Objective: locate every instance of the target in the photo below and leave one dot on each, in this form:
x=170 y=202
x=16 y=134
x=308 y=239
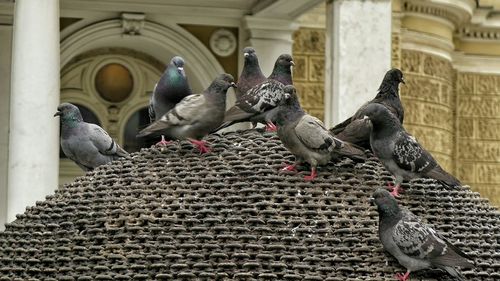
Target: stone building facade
x=449 y=55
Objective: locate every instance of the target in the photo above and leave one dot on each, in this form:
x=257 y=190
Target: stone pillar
x=34 y=133
x=358 y=53
x=5 y=57
x=270 y=38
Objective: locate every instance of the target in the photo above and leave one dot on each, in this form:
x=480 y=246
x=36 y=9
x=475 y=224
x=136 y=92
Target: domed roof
x=172 y=214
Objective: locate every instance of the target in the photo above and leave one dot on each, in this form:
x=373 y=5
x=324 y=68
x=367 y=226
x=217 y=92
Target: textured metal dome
x=172 y=214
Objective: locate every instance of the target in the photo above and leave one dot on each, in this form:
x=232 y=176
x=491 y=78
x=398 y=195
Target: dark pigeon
x=356 y=130
x=414 y=244
x=195 y=116
x=88 y=145
x=306 y=137
x=258 y=104
x=400 y=152
x=169 y=91
x=251 y=74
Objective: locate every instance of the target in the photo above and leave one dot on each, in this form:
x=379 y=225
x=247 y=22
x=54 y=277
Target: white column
x=270 y=38
x=358 y=53
x=5 y=57
x=34 y=132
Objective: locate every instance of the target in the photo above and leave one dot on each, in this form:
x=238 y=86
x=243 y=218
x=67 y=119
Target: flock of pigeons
x=178 y=114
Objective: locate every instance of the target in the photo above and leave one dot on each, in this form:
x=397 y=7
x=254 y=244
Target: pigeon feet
x=403 y=277
x=395 y=190
x=312 y=175
x=201 y=145
x=290 y=168
x=163 y=142
x=270 y=127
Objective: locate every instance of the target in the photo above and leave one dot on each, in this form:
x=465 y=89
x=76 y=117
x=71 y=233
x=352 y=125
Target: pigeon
x=400 y=152
x=169 y=91
x=258 y=104
x=87 y=144
x=306 y=137
x=414 y=244
x=251 y=74
x=196 y=115
x=355 y=129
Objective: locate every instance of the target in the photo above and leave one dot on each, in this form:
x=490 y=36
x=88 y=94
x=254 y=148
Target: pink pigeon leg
x=312 y=175
x=290 y=168
x=201 y=145
x=163 y=142
x=403 y=277
x=270 y=127
x=395 y=189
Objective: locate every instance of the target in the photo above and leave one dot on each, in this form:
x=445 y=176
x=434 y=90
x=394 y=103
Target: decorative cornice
x=478 y=33
x=457 y=12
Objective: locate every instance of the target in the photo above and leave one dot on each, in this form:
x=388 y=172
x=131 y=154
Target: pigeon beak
x=292 y=63
x=246 y=54
x=180 y=68
x=59 y=113
x=403 y=80
x=233 y=85
x=366 y=118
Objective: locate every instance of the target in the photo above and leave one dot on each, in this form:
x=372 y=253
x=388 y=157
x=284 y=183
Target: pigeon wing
x=420 y=241
x=411 y=156
x=262 y=97
x=186 y=112
x=103 y=142
x=313 y=134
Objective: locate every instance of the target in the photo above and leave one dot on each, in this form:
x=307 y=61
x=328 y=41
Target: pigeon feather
x=400 y=152
x=88 y=145
x=414 y=244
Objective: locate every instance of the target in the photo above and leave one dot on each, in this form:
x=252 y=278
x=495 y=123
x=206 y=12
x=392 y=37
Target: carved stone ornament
x=223 y=42
x=132 y=23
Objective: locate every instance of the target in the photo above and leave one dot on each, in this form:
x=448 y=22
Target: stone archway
x=159 y=41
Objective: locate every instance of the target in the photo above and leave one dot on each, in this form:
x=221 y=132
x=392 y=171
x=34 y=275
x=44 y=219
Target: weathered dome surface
x=172 y=214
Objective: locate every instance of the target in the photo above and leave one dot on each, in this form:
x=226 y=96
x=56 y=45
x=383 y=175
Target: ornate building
x=105 y=56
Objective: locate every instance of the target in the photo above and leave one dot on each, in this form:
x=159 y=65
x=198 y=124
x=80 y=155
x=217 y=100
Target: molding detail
x=478 y=33
x=132 y=23
x=223 y=42
x=456 y=11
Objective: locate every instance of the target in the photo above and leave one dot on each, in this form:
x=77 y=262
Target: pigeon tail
x=444 y=178
x=352 y=151
x=454 y=272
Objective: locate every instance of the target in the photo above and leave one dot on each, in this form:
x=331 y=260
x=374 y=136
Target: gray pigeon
x=356 y=130
x=306 y=137
x=169 y=91
x=251 y=74
x=400 y=152
x=415 y=245
x=88 y=145
x=196 y=115
x=258 y=104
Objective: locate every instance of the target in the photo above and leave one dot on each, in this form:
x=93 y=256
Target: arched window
x=138 y=121
x=88 y=116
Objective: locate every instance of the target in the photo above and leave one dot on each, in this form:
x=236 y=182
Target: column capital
x=269 y=28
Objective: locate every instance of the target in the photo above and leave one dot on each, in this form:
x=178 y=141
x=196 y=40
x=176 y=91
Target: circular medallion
x=223 y=42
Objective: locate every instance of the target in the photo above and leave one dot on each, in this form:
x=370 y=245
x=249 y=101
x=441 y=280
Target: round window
x=114 y=82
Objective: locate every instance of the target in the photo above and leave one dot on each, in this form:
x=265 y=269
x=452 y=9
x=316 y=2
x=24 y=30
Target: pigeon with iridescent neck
x=195 y=116
x=258 y=105
x=251 y=74
x=88 y=145
x=169 y=91
x=414 y=244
